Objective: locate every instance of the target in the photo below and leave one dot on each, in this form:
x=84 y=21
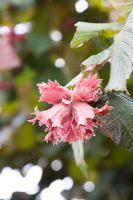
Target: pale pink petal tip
x=104 y=110
x=37 y=117
x=87 y=89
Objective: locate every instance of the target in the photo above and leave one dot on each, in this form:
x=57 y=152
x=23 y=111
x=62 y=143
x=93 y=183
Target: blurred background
x=35 y=40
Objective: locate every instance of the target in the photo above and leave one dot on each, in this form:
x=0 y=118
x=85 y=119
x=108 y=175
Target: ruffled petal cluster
x=53 y=92
x=71 y=118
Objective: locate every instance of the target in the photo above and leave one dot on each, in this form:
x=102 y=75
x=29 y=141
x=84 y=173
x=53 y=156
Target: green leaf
x=78 y=150
x=98 y=59
x=121 y=57
x=118 y=124
x=86 y=31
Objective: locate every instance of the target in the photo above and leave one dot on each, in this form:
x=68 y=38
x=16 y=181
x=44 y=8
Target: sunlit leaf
x=96 y=60
x=107 y=33
x=86 y=31
x=121 y=57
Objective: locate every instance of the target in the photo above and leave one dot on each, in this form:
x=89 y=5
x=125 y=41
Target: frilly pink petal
x=51 y=117
x=38 y=116
x=70 y=132
x=53 y=92
x=87 y=89
x=90 y=82
x=82 y=111
x=104 y=110
x=76 y=122
x=82 y=132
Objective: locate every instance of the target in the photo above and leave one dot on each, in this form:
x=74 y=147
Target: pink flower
x=8 y=56
x=71 y=118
